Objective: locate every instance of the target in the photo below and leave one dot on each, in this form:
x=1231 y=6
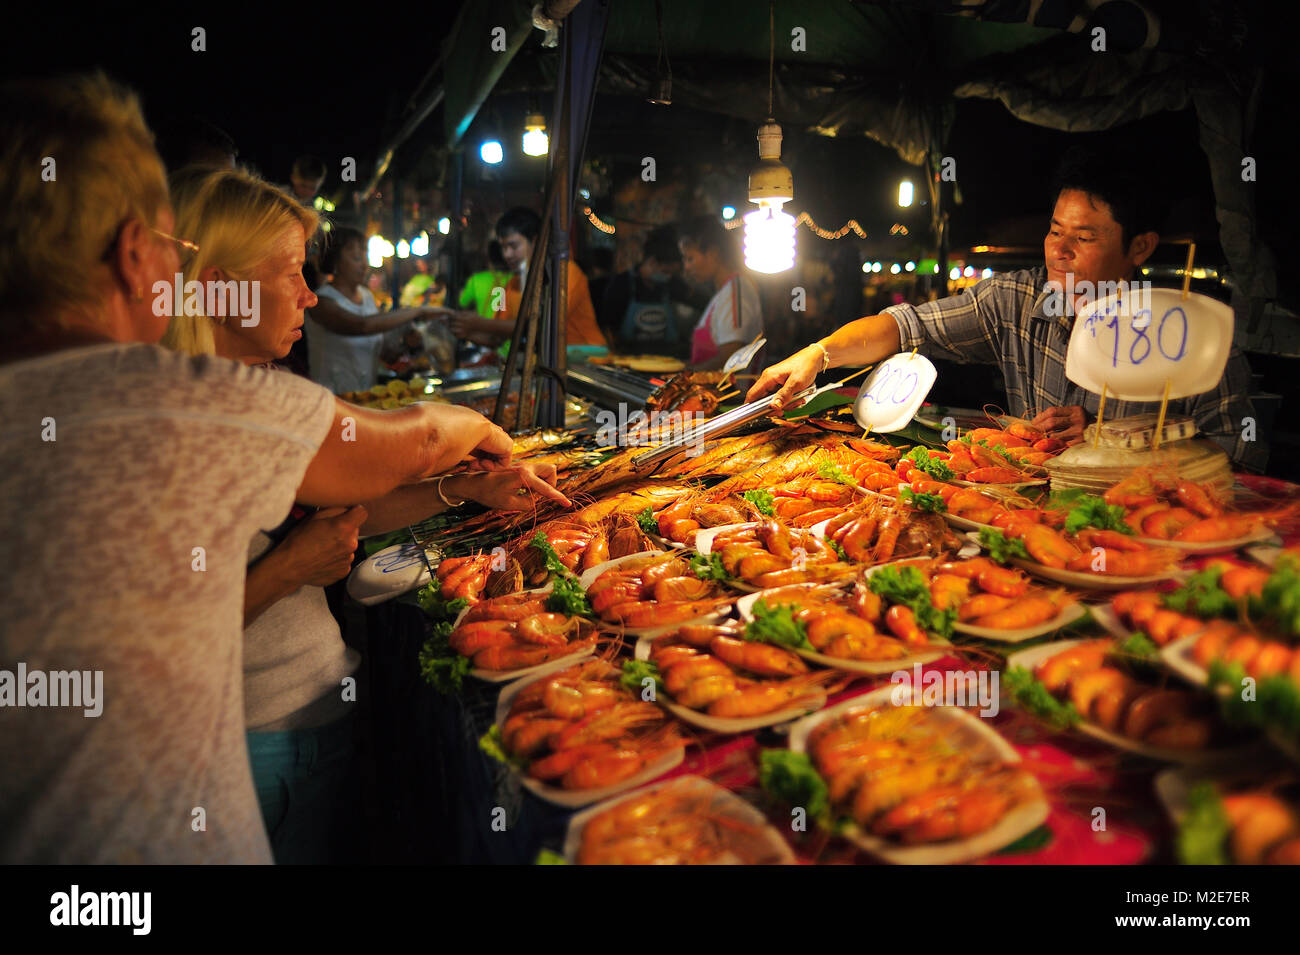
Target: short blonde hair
x=235 y=217
x=76 y=162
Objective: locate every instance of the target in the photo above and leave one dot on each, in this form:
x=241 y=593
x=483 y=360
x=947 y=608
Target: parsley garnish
x=762 y=500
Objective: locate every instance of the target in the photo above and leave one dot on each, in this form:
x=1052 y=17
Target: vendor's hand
x=516 y=489
x=1065 y=423
x=790 y=376
x=319 y=550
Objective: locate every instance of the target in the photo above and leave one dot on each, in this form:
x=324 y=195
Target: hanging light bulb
x=491 y=152
x=420 y=244
x=536 y=142
x=444 y=225
x=769 y=232
x=905 y=193
x=403 y=249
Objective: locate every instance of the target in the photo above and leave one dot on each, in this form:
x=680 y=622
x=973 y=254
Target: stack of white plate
x=1097 y=469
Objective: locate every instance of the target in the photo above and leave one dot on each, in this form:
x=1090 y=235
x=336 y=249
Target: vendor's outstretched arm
x=858 y=343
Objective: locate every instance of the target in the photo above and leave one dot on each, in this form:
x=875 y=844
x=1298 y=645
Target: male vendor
x=1103 y=228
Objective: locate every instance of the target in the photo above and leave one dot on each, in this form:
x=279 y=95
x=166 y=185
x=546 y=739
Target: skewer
x=845 y=381
x=1160 y=421
x=1187 y=284
x=1101 y=414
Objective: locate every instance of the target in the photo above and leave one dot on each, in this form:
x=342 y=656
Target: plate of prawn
x=1072 y=565
x=920 y=785
x=714 y=679
x=582 y=735
x=1126 y=711
x=515 y=635
x=759 y=555
x=652 y=593
x=842 y=635
x=998 y=603
x=684 y=821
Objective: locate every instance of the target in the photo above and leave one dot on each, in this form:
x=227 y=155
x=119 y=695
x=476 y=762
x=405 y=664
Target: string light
x=598 y=222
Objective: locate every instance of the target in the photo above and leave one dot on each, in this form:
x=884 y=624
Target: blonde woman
x=133 y=480
x=301 y=725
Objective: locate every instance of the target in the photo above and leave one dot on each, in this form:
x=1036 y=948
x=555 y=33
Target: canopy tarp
x=893 y=70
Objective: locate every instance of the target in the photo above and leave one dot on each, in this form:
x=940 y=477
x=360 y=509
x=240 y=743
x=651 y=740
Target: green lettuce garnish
x=791 y=778
x=647 y=520
x=635 y=673
x=924 y=502
x=1089 y=510
x=1203 y=833
x=908 y=586
x=1201 y=596
x=777 y=625
x=1031 y=696
x=762 y=500
x=708 y=567
x=1000 y=547
x=927 y=463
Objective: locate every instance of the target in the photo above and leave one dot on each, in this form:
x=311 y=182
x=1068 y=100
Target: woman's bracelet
x=441 y=496
x=826 y=355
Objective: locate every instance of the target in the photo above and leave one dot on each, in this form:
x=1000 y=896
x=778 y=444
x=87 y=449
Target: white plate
x=1013 y=485
x=389 y=573
x=1210 y=547
x=775 y=851
x=969 y=731
x=1177 y=656
x=573 y=798
x=589 y=577
x=1264 y=554
x=812 y=702
x=1034 y=655
x=505 y=676
x=705 y=535
x=964 y=524
x=1089 y=581
x=745 y=607
x=1069 y=614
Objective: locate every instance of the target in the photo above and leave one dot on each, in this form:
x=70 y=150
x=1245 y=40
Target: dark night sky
x=283 y=84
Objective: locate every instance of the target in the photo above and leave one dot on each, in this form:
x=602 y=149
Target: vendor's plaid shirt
x=1002 y=321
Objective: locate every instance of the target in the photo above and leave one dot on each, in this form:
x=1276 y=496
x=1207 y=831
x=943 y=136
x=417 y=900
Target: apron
x=648 y=322
x=703 y=347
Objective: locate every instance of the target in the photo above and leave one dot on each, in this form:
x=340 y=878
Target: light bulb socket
x=535 y=121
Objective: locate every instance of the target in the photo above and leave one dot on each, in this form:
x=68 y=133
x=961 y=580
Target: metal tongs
x=725 y=424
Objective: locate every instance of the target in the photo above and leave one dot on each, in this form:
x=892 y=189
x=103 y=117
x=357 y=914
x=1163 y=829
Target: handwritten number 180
x=1144 y=339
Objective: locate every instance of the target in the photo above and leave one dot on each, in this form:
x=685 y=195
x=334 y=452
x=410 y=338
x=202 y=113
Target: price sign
x=388 y=573
x=1135 y=340
x=893 y=393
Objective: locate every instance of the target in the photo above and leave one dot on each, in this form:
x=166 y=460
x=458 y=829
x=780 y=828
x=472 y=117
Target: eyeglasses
x=191 y=247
